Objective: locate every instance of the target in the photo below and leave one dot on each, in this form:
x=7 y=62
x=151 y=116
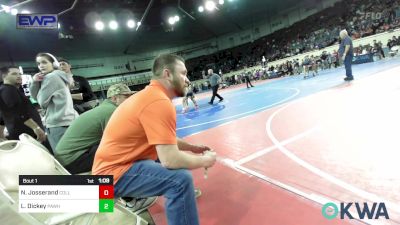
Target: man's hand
x=343 y=57
x=210 y=158
x=40 y=134
x=202 y=148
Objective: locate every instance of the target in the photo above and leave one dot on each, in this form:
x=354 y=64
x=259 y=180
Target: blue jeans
x=148 y=178
x=347 y=65
x=54 y=134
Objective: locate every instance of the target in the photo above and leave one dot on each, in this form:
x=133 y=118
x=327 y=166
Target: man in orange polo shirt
x=143 y=129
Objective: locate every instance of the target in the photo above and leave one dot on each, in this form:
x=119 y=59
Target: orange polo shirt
x=144 y=120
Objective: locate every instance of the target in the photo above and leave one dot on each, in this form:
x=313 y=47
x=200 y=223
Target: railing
x=130 y=80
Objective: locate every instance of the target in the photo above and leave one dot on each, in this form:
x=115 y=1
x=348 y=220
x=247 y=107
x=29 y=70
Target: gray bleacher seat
x=28 y=156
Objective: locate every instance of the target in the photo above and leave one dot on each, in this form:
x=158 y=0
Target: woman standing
x=50 y=88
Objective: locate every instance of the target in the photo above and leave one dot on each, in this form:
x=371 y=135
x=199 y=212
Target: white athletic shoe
x=138 y=205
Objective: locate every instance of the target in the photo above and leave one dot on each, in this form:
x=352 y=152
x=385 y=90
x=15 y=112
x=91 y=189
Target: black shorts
x=84 y=162
x=189 y=94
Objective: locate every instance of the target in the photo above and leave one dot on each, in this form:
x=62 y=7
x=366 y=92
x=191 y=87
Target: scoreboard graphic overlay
x=66 y=193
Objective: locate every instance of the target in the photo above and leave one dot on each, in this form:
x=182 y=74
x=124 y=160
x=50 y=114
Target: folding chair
x=30 y=157
x=394 y=50
x=30 y=140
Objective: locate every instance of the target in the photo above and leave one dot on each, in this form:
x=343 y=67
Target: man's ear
x=3 y=76
x=166 y=74
x=114 y=98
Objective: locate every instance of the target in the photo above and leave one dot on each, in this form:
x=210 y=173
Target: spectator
x=215 y=80
x=50 y=88
x=189 y=95
x=142 y=129
x=18 y=114
x=346 y=53
x=247 y=77
x=83 y=97
x=76 y=149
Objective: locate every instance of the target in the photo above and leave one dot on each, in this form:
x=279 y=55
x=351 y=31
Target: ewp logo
x=331 y=210
x=37 y=21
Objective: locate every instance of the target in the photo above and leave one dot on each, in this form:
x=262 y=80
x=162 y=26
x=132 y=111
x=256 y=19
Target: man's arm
x=86 y=93
x=160 y=128
x=346 y=50
x=346 y=43
x=172 y=158
x=185 y=146
x=12 y=101
x=41 y=136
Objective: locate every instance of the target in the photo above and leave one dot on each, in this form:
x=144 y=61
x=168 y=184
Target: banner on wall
x=366 y=58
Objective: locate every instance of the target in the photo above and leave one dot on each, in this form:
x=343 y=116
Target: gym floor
x=288 y=146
